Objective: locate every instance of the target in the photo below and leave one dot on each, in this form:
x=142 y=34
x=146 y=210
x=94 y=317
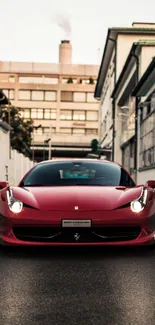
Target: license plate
x=76 y=223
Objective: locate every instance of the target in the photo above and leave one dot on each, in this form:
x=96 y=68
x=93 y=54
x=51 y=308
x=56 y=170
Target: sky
x=31 y=30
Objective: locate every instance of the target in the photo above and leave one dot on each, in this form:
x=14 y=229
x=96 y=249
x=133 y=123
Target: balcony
x=66 y=139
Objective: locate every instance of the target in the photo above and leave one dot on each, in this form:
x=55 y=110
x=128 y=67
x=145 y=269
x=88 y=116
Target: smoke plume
x=63 y=21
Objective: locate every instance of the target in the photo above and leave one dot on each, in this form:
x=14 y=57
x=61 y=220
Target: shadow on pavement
x=76 y=252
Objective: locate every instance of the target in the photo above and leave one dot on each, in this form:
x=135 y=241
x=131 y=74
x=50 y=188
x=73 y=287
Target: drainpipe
x=113 y=130
x=114 y=103
x=136 y=116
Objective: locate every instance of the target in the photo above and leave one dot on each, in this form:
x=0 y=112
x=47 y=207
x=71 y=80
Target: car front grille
x=70 y=235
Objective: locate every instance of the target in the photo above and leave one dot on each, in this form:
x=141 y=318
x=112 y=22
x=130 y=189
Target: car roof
x=77 y=160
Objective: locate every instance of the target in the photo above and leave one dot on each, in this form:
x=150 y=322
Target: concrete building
x=145 y=91
x=118 y=45
x=126 y=105
x=59 y=98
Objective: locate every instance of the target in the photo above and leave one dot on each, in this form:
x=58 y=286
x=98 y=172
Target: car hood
x=85 y=197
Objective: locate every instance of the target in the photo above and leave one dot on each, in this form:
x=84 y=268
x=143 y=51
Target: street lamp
x=50 y=143
x=34 y=128
x=46 y=141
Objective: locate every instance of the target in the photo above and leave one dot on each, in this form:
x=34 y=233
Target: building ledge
x=146 y=168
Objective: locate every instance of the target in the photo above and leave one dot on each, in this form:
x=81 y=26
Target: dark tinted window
x=77 y=173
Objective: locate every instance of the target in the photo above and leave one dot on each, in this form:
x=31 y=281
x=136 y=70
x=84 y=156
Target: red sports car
x=77 y=202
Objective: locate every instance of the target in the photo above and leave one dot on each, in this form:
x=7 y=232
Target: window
x=78 y=131
x=38 y=80
x=73 y=173
x=65 y=130
x=64 y=81
x=147 y=144
x=36 y=113
x=91 y=131
x=66 y=96
x=6 y=173
x=37 y=95
x=80 y=97
x=6 y=92
x=50 y=114
x=51 y=81
x=33 y=113
x=66 y=115
x=90 y=98
x=26 y=113
x=24 y=95
x=40 y=113
x=12 y=79
x=79 y=115
x=31 y=80
x=153 y=102
x=9 y=93
x=92 y=116
x=50 y=96
x=85 y=81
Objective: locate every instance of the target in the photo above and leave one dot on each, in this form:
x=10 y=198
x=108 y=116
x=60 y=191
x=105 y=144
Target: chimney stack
x=65 y=52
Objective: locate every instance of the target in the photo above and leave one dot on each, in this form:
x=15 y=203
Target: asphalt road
x=77 y=286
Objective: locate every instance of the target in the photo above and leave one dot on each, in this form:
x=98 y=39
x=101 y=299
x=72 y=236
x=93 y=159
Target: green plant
x=21 y=133
x=94 y=145
x=91 y=81
x=70 y=81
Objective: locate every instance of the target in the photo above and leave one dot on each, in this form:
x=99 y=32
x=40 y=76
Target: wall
x=106 y=105
x=18 y=167
x=145 y=56
x=4 y=154
x=146 y=175
x=148 y=52
x=124 y=46
x=14 y=168
x=49 y=68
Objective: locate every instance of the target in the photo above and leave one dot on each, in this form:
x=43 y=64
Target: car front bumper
x=107 y=229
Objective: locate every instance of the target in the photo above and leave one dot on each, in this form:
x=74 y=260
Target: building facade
x=60 y=100
x=117 y=48
x=127 y=129
x=145 y=91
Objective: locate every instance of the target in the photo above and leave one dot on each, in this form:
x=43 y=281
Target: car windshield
x=77 y=173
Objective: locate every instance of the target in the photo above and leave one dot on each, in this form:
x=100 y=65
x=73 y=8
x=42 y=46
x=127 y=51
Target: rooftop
x=49 y=68
x=137 y=29
x=146 y=81
x=129 y=61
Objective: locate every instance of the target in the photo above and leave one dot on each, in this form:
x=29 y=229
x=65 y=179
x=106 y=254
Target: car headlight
x=136 y=206
x=139 y=204
x=14 y=205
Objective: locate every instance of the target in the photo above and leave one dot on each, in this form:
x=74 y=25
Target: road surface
x=77 y=286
